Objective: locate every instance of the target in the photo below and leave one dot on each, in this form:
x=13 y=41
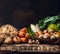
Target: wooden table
x=30 y=48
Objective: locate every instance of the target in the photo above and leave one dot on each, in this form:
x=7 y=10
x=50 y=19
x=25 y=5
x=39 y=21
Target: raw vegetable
x=27 y=35
x=23 y=39
x=31 y=33
x=43 y=24
x=34 y=28
x=54 y=27
x=16 y=39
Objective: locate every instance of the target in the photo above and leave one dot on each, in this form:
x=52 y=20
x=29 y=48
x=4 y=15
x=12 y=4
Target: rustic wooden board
x=30 y=48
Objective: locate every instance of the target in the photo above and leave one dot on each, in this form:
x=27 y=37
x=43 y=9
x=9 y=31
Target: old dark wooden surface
x=30 y=48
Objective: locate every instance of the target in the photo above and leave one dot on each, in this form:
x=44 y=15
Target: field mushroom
x=56 y=34
x=45 y=31
x=46 y=35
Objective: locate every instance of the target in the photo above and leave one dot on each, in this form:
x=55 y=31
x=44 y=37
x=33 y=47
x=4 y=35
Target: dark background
x=21 y=13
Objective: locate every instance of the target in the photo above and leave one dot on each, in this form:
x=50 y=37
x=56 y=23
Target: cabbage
x=54 y=27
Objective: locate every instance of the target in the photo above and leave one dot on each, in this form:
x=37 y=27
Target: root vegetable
x=27 y=35
x=50 y=30
x=23 y=30
x=40 y=32
x=8 y=40
x=21 y=34
x=16 y=39
x=23 y=39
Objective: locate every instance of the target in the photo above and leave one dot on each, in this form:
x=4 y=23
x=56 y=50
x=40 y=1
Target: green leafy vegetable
x=30 y=32
x=50 y=21
x=53 y=27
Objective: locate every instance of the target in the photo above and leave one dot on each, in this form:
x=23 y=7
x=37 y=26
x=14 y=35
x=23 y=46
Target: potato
x=47 y=35
x=16 y=39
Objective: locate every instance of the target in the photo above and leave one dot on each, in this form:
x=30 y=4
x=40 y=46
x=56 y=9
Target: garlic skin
x=8 y=40
x=29 y=41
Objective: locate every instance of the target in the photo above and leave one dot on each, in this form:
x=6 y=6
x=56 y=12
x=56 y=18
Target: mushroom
x=52 y=37
x=45 y=31
x=40 y=32
x=56 y=34
x=51 y=31
x=40 y=36
x=37 y=41
x=33 y=41
x=29 y=41
x=46 y=35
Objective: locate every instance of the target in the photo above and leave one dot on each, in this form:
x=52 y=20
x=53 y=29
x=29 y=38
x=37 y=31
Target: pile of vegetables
x=50 y=23
x=46 y=29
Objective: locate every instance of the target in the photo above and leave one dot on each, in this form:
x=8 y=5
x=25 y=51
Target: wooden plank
x=30 y=48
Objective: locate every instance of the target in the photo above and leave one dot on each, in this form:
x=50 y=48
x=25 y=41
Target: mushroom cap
x=47 y=34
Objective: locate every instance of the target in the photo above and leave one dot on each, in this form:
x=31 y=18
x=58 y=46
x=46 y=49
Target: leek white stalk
x=34 y=28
